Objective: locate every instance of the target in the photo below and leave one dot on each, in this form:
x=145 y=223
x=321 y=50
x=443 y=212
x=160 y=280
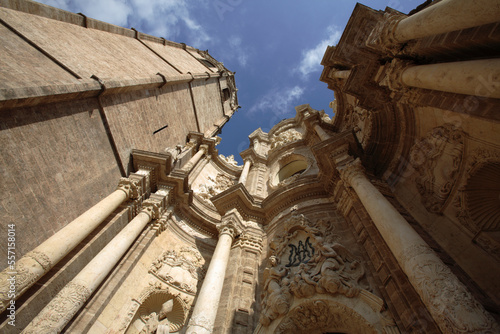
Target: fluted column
x=39 y=261
x=61 y=309
x=321 y=133
x=194 y=160
x=446 y=16
x=474 y=77
x=244 y=173
x=449 y=302
x=205 y=310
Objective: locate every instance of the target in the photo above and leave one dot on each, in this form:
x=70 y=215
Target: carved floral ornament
x=306 y=261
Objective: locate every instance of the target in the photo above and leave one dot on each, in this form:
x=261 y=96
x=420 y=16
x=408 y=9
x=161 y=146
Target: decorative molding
x=247 y=240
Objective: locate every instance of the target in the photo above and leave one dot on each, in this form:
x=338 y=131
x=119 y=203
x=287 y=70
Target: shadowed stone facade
x=383 y=219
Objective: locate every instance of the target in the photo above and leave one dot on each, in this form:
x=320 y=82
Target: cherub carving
x=275 y=299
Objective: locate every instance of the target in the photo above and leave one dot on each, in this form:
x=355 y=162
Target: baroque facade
x=384 y=219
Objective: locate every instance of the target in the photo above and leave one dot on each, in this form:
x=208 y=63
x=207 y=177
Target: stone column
x=194 y=160
x=61 y=309
x=39 y=261
x=244 y=173
x=446 y=16
x=204 y=313
x=474 y=77
x=321 y=133
x=449 y=302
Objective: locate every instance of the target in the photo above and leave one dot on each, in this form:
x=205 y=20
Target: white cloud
x=279 y=101
x=237 y=50
x=311 y=58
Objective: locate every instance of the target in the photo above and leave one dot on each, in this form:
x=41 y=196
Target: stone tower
x=383 y=219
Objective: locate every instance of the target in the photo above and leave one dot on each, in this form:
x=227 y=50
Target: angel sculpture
x=275 y=296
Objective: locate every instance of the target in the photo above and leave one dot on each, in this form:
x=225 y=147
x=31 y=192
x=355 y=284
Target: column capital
x=130 y=187
x=203 y=148
x=229 y=227
x=351 y=170
x=382 y=38
x=248 y=159
x=393 y=75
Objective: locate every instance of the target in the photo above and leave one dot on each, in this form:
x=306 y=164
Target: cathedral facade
x=382 y=219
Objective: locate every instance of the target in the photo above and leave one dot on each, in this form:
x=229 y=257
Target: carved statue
x=303 y=285
x=214 y=186
x=336 y=271
x=229 y=159
x=275 y=294
x=158 y=323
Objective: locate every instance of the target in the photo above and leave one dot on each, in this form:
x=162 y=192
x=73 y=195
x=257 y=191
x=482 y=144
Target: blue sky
x=274 y=46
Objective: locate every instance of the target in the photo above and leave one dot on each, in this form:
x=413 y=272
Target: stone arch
x=337 y=314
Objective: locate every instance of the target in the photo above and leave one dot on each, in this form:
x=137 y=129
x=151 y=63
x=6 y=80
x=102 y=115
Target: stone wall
x=65 y=137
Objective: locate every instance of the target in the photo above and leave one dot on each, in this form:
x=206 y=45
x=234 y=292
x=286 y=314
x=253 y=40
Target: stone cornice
x=250 y=153
x=260 y=135
x=238 y=197
x=224 y=166
x=160 y=164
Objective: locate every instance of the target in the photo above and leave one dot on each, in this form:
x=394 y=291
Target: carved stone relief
x=360 y=120
x=477 y=205
x=285 y=137
x=437 y=159
x=156 y=310
x=307 y=260
x=214 y=186
x=322 y=315
x=180 y=269
x=229 y=160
